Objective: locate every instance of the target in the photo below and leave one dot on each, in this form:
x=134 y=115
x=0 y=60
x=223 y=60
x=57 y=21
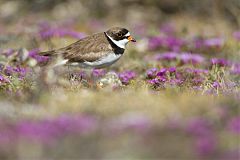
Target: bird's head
x=119 y=36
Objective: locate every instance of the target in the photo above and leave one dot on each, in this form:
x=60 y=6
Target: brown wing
x=87 y=49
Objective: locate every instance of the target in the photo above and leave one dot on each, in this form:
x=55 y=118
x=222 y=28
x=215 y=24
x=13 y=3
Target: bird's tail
x=48 y=56
x=48 y=53
x=54 y=58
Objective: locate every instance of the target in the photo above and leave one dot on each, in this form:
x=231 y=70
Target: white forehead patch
x=128 y=34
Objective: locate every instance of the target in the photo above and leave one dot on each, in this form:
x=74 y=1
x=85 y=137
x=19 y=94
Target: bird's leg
x=71 y=75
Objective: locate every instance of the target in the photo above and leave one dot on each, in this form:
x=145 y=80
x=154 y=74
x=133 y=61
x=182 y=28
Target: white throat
x=121 y=43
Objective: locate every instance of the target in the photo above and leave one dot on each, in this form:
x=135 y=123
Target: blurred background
x=121 y=12
x=21 y=20
x=124 y=12
x=174 y=94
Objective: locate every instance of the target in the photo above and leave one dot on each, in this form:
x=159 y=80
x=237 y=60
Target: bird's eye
x=119 y=34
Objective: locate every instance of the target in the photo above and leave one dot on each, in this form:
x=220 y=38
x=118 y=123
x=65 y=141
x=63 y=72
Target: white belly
x=103 y=62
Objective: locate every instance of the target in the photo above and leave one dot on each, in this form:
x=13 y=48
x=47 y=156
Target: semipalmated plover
x=95 y=51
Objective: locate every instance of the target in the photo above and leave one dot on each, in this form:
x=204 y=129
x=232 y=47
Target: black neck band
x=116 y=49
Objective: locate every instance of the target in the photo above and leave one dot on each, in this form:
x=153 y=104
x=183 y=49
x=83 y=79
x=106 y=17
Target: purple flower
x=155 y=42
x=21 y=71
x=162 y=72
x=173 y=43
x=234 y=125
x=82 y=74
x=155 y=81
x=216 y=84
x=236 y=35
x=183 y=57
x=191 y=58
x=166 y=56
x=175 y=81
x=39 y=58
x=219 y=62
x=4 y=79
x=127 y=76
x=170 y=42
x=98 y=72
x=9 y=70
x=214 y=42
x=1 y=78
x=151 y=73
x=172 y=69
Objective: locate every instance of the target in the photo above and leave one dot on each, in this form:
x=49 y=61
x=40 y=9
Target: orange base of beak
x=130 y=38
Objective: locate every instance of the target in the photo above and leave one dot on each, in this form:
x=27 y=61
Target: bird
x=96 y=51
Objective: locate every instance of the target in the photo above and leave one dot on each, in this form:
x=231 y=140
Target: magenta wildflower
x=170 y=42
x=185 y=58
x=1 y=78
x=9 y=70
x=166 y=56
x=191 y=58
x=174 y=43
x=151 y=73
x=162 y=72
x=127 y=76
x=172 y=69
x=155 y=81
x=214 y=42
x=39 y=58
x=82 y=74
x=220 y=62
x=216 y=84
x=155 y=42
x=21 y=71
x=98 y=72
x=175 y=81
